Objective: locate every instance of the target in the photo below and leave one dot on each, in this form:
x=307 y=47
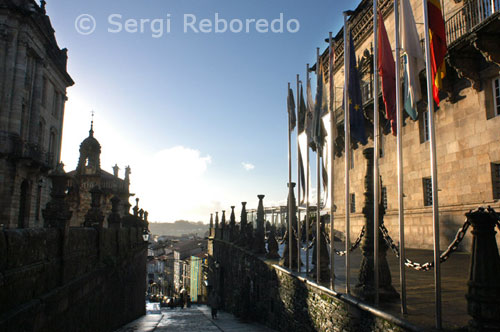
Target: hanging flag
x=355 y=106
x=437 y=43
x=325 y=158
x=413 y=59
x=318 y=130
x=291 y=110
x=302 y=110
x=387 y=71
x=331 y=78
x=309 y=111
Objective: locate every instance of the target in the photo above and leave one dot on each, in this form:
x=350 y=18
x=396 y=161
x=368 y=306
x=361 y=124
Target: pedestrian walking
x=214 y=303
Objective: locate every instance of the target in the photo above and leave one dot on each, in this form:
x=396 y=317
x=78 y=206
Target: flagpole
x=347 y=156
x=435 y=206
x=399 y=118
x=318 y=182
x=299 y=166
x=332 y=142
x=289 y=188
x=307 y=182
x=376 y=138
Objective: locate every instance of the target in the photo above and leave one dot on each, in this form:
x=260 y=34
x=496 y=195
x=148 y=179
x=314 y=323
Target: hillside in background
x=178 y=228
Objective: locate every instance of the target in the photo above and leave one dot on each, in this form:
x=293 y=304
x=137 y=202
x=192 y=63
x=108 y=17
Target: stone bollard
x=366 y=279
x=222 y=225
x=243 y=225
x=232 y=225
x=259 y=243
x=285 y=261
x=114 y=219
x=483 y=296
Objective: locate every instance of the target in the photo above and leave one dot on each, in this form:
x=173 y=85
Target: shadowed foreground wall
x=87 y=280
x=255 y=289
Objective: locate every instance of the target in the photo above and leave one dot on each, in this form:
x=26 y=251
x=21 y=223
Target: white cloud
x=173 y=184
x=248 y=166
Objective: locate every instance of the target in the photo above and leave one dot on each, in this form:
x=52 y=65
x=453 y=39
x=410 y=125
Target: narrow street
x=194 y=319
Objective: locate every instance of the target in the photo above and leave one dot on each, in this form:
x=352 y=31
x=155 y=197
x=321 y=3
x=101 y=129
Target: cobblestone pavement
x=194 y=319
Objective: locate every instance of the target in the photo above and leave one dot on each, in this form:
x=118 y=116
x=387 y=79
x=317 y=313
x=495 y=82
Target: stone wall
x=87 y=280
x=254 y=289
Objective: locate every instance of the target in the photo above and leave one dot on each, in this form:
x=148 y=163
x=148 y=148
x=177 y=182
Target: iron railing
x=468 y=17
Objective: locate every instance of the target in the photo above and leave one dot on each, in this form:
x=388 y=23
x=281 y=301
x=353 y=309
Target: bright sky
x=200 y=117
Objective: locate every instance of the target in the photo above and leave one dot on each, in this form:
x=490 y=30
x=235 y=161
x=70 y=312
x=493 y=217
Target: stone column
x=259 y=243
x=366 y=280
x=483 y=296
x=35 y=103
x=19 y=74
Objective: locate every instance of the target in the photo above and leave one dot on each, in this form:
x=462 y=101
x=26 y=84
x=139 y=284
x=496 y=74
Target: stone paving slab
x=194 y=319
x=147 y=323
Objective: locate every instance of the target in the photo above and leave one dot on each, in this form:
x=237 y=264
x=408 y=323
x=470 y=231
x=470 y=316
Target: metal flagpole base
x=365 y=288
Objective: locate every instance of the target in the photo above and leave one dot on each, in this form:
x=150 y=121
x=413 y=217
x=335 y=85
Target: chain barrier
x=444 y=256
x=354 y=246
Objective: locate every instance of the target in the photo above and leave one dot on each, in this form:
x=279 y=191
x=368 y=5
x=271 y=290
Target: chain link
x=444 y=256
x=354 y=246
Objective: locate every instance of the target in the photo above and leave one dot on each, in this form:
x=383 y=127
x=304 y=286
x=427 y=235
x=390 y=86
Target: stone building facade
x=33 y=83
x=88 y=174
x=467 y=126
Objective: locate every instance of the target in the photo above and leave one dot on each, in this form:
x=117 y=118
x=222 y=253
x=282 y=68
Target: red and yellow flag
x=438 y=48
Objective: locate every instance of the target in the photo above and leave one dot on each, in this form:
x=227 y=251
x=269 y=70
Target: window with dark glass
x=495 y=180
x=353 y=203
x=427 y=186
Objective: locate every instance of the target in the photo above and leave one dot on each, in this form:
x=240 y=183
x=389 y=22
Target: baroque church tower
x=88 y=175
